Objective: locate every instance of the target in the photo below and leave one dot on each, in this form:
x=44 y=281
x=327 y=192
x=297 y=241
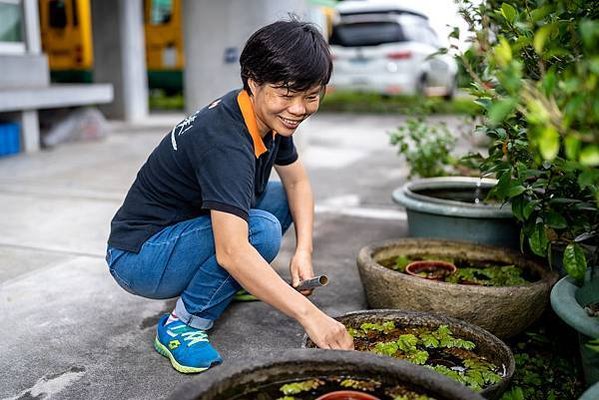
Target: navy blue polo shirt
x=212 y=160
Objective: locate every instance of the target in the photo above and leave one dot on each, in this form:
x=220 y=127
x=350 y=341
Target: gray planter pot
x=567 y=308
x=591 y=393
x=433 y=216
x=503 y=311
x=487 y=345
x=229 y=381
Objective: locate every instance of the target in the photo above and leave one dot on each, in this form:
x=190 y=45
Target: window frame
x=15 y=47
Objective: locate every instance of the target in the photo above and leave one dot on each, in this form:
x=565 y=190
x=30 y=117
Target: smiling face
x=280 y=109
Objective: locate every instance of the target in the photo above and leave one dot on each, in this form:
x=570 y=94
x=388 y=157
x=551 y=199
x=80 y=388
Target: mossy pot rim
x=367 y=258
x=216 y=382
x=492 y=391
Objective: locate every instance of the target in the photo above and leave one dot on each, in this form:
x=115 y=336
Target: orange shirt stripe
x=247 y=110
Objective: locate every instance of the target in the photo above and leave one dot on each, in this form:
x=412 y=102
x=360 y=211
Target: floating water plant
x=437 y=349
x=322 y=387
x=468 y=272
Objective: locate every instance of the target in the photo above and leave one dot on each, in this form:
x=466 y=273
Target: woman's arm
x=250 y=270
x=301 y=204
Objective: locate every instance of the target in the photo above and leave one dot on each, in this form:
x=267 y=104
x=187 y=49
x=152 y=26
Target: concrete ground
x=69 y=332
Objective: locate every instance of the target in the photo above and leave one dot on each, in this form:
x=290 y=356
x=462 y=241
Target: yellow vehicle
x=164 y=44
x=67 y=40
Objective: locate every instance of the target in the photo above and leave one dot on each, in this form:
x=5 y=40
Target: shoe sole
x=162 y=350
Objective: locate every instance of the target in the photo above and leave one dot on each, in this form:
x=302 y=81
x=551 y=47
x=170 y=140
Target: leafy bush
x=427 y=148
x=535 y=67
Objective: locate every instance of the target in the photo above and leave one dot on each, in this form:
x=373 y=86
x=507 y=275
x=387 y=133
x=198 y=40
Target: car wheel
x=452 y=90
x=421 y=86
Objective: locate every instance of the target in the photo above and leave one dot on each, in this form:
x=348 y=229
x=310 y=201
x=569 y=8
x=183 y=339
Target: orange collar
x=247 y=110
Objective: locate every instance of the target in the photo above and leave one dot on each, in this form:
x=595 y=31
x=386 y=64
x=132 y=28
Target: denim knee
x=265 y=233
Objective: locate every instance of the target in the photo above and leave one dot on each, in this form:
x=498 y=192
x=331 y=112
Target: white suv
x=380 y=47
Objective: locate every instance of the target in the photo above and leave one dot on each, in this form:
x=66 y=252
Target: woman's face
x=280 y=109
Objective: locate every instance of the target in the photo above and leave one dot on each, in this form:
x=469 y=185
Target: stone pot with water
x=315 y=373
x=455 y=208
x=496 y=288
x=464 y=352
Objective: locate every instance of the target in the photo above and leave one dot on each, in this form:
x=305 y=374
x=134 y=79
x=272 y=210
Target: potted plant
x=498 y=289
x=438 y=270
x=324 y=374
x=535 y=73
x=444 y=206
x=461 y=351
x=591 y=393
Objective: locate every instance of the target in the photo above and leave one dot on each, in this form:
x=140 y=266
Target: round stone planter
x=487 y=345
x=445 y=208
x=239 y=376
x=503 y=311
x=567 y=308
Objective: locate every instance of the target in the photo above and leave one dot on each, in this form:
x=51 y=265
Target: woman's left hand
x=300 y=267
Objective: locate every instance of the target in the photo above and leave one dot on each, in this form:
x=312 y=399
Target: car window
x=366 y=34
x=434 y=39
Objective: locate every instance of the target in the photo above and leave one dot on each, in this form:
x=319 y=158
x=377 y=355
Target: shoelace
x=193 y=336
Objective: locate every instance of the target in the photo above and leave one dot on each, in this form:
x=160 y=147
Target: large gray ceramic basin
x=432 y=214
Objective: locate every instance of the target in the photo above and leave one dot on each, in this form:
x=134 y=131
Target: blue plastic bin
x=10 y=139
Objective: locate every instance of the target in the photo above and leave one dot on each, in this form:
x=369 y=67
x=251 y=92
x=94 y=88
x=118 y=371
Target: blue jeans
x=180 y=260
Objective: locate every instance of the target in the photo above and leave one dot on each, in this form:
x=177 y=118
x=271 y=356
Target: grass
x=374 y=103
x=353 y=102
x=159 y=100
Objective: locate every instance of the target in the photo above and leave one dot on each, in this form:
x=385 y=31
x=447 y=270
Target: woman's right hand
x=327 y=333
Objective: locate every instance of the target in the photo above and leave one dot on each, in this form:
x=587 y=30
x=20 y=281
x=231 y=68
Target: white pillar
x=32 y=27
x=30 y=131
x=120 y=57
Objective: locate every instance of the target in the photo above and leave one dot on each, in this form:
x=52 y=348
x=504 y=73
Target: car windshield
x=366 y=34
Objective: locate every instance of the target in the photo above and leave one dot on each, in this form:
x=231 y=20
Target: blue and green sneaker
x=188 y=348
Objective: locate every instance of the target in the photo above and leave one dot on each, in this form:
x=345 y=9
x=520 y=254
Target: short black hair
x=291 y=53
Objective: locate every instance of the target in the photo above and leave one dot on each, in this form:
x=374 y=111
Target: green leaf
x=508 y=12
x=419 y=357
x=538 y=240
x=541 y=36
x=518 y=207
x=589 y=30
x=429 y=340
x=407 y=342
x=555 y=220
x=501 y=109
x=540 y=13
x=515 y=190
x=549 y=142
x=401 y=262
x=387 y=349
x=503 y=52
x=590 y=155
x=503 y=184
x=455 y=33
x=593 y=345
x=572 y=147
x=298 y=387
x=588 y=178
x=528 y=209
x=575 y=262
